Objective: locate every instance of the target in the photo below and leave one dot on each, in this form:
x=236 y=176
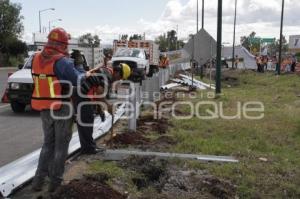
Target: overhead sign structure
x=202 y=47
x=262 y=40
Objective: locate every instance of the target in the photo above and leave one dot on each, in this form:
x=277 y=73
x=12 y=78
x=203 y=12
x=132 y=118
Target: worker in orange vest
x=164 y=61
x=51 y=98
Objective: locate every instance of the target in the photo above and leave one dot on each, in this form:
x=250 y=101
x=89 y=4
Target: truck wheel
x=17 y=107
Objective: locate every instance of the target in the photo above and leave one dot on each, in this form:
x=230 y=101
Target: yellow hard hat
x=126 y=71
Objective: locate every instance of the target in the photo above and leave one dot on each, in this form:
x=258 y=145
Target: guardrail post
x=135 y=102
x=132 y=113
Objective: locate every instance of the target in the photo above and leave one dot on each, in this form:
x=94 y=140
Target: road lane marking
x=4 y=106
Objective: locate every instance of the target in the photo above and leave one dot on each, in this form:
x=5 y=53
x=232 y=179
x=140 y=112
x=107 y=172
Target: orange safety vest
x=164 y=62
x=47 y=90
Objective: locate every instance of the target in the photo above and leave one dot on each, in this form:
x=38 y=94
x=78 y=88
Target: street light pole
x=40 y=25
x=53 y=21
x=202 y=14
x=234 y=26
x=40 y=20
x=281 y=37
x=219 y=48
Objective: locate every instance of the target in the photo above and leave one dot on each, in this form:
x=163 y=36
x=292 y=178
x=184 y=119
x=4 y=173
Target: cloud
x=263 y=17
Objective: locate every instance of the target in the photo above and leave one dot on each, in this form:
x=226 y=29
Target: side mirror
x=20 y=66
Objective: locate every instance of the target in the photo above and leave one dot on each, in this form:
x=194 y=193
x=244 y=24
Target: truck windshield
x=28 y=63
x=128 y=53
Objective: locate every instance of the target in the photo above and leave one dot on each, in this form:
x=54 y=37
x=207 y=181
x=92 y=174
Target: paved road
x=20 y=134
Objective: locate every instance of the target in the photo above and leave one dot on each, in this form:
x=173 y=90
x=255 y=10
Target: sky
x=109 y=19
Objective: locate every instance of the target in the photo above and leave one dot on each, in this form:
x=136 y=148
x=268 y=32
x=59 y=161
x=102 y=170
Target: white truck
x=141 y=55
x=20 y=86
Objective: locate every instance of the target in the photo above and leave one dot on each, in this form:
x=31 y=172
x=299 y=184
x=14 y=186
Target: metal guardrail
x=151 y=86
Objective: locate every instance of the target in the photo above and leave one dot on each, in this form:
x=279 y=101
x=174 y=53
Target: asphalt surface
x=20 y=134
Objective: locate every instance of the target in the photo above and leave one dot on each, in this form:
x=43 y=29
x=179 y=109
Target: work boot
x=37 y=184
x=94 y=151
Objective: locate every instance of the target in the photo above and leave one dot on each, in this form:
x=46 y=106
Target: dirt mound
x=128 y=138
x=148 y=122
x=169 y=181
x=153 y=172
x=87 y=188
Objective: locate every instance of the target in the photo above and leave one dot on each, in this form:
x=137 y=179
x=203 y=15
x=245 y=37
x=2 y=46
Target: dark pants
x=293 y=67
x=85 y=129
x=57 y=136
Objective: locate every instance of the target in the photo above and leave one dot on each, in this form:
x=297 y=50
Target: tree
x=249 y=43
x=162 y=42
x=169 y=42
x=274 y=48
x=124 y=37
x=135 y=37
x=17 y=47
x=88 y=40
x=10 y=29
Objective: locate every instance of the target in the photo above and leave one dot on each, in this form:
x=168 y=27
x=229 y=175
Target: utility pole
x=177 y=43
x=197 y=16
x=234 y=26
x=202 y=14
x=219 y=48
x=281 y=38
x=40 y=21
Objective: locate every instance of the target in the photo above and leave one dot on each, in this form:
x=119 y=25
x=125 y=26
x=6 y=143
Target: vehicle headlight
x=15 y=86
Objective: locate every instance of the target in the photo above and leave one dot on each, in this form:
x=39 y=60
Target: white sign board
x=294 y=42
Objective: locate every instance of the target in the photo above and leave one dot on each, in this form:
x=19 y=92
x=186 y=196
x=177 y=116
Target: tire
x=17 y=107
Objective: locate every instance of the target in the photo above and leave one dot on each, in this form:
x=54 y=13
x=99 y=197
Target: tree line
x=12 y=49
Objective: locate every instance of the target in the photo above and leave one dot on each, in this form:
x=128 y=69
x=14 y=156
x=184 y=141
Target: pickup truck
x=137 y=60
x=20 y=86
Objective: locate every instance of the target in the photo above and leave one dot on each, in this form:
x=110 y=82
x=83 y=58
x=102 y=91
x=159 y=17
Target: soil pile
x=87 y=188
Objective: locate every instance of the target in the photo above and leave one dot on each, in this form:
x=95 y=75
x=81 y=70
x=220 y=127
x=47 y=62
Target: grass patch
x=276 y=137
x=109 y=168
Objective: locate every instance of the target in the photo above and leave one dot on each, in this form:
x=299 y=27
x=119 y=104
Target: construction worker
x=164 y=61
x=49 y=97
x=91 y=88
x=237 y=61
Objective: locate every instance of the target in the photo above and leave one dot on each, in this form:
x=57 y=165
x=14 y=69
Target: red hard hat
x=59 y=35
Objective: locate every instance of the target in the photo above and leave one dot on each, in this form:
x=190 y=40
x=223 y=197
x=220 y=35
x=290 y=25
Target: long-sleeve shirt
x=65 y=70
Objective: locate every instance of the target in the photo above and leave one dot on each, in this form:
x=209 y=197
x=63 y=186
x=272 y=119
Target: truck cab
x=20 y=86
x=136 y=58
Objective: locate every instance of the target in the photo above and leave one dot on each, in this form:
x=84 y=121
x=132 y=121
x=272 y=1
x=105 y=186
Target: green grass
x=275 y=137
x=109 y=168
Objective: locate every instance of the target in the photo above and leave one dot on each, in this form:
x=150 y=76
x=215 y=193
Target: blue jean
x=57 y=136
